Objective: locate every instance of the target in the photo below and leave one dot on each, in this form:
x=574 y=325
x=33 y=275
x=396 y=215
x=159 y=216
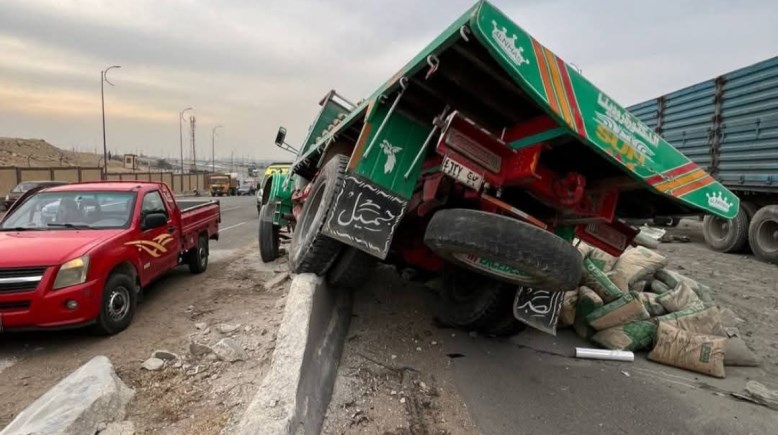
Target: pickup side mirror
x=153 y=220
x=280 y=136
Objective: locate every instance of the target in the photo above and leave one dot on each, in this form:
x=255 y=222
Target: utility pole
x=104 y=79
x=181 y=135
x=213 y=148
x=192 y=122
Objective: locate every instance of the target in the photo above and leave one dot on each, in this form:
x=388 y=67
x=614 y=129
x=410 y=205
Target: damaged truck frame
x=483 y=159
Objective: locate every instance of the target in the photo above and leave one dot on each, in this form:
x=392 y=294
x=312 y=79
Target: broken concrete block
x=229 y=350
x=90 y=396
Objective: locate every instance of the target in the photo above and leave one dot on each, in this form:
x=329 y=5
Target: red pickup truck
x=81 y=253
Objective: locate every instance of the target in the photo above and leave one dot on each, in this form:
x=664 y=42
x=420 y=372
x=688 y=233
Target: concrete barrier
x=295 y=393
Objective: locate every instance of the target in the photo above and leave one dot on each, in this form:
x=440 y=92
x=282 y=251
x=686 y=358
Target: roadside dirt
x=193 y=395
x=739 y=282
x=394 y=376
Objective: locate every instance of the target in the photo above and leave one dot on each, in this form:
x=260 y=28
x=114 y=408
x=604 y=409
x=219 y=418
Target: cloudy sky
x=252 y=65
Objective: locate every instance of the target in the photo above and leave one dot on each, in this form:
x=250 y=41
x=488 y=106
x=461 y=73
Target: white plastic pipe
x=610 y=355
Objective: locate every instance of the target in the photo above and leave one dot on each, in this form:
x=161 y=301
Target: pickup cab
x=82 y=253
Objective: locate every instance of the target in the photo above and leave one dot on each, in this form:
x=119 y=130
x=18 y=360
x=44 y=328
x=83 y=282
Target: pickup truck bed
x=198 y=216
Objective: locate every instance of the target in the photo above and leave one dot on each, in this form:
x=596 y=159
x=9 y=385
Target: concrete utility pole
x=192 y=122
x=213 y=148
x=181 y=135
x=104 y=79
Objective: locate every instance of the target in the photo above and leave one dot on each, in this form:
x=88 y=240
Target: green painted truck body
x=583 y=112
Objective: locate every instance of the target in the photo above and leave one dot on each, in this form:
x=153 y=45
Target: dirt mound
x=39 y=153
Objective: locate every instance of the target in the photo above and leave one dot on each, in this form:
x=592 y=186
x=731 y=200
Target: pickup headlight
x=71 y=273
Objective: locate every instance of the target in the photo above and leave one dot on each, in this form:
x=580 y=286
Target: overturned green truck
x=481 y=161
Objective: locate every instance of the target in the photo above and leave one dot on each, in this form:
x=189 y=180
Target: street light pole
x=213 y=154
x=104 y=79
x=181 y=135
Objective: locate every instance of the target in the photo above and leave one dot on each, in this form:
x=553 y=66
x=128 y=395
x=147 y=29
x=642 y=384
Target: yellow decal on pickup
x=154 y=247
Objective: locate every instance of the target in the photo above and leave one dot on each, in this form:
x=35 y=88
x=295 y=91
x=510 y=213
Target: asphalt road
x=531 y=384
x=238 y=226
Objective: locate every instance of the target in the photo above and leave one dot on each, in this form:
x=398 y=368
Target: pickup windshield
x=72 y=210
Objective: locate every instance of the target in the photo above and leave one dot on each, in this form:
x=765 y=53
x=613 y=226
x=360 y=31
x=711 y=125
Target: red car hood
x=48 y=248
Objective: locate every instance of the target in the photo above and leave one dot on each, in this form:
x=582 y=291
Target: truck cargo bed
x=728 y=125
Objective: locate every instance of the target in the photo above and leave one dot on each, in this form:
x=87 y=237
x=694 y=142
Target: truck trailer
x=728 y=125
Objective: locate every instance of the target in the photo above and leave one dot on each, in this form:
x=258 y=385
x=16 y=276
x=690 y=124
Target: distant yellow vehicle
x=277 y=168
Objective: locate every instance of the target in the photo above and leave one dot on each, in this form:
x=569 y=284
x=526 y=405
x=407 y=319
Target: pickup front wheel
x=118 y=304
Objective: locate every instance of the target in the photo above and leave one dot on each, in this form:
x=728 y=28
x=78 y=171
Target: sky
x=251 y=66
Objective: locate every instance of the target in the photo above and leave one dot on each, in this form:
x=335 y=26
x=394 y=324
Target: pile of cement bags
x=634 y=303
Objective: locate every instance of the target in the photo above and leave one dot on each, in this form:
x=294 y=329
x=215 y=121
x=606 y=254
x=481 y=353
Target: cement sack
x=625 y=309
x=598 y=281
x=602 y=259
x=695 y=308
x=640 y=286
x=637 y=264
x=682 y=296
x=567 y=315
x=583 y=248
x=588 y=301
x=653 y=306
x=659 y=287
x=707 y=322
x=629 y=336
x=672 y=278
x=695 y=352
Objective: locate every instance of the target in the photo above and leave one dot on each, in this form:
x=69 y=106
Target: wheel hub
x=118 y=303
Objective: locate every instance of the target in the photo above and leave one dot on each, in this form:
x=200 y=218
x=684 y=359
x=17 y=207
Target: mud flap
x=538 y=308
x=365 y=216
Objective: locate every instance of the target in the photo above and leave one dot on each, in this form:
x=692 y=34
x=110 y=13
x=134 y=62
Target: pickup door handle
x=171 y=230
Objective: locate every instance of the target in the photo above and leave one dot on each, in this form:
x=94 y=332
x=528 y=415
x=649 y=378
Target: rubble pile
x=633 y=302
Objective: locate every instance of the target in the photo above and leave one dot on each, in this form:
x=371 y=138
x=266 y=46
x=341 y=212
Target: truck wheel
x=468 y=300
x=726 y=235
x=352 y=268
x=118 y=304
x=310 y=251
x=198 y=256
x=504 y=248
x=503 y=323
x=268 y=234
x=763 y=234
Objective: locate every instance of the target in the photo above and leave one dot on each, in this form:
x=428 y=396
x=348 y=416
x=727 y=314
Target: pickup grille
x=14 y=305
x=15 y=280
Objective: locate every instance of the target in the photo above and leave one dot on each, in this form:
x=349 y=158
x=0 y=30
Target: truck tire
x=726 y=235
x=352 y=268
x=268 y=236
x=504 y=248
x=117 y=307
x=503 y=323
x=763 y=234
x=310 y=251
x=468 y=300
x=197 y=258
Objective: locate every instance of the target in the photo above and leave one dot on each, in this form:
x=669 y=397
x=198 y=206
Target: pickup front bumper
x=42 y=308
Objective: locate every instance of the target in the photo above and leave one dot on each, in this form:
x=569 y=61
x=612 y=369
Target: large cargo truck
x=482 y=161
x=728 y=125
